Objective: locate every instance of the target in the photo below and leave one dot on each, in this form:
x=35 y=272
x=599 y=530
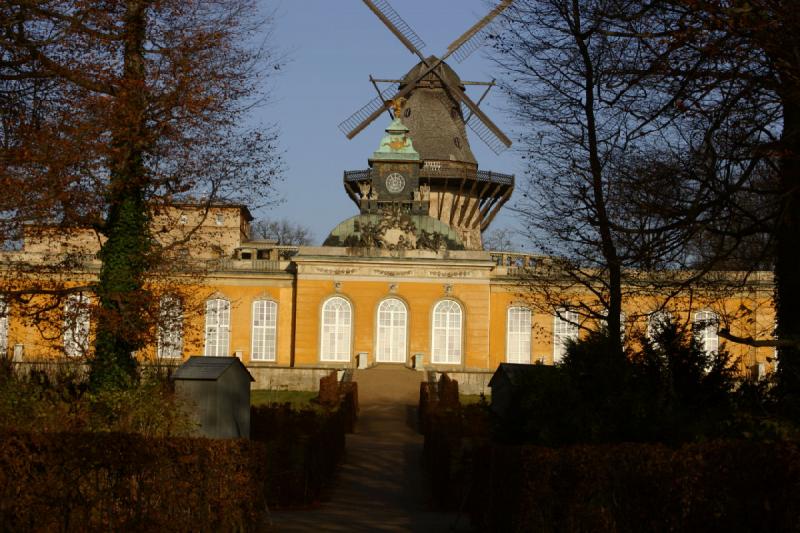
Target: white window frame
x=656 y=319
x=519 y=324
x=391 y=331
x=3 y=326
x=706 y=330
x=77 y=324
x=336 y=330
x=264 y=330
x=218 y=328
x=170 y=327
x=446 y=333
x=564 y=329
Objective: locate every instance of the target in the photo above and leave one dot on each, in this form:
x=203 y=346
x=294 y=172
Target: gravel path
x=380 y=486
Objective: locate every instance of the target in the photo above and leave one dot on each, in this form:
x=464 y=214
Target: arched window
x=656 y=324
x=565 y=328
x=336 y=327
x=706 y=328
x=218 y=327
x=170 y=327
x=77 y=317
x=392 y=331
x=518 y=343
x=446 y=333
x=265 y=320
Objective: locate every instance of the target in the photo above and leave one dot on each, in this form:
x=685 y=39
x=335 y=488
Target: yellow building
x=404 y=282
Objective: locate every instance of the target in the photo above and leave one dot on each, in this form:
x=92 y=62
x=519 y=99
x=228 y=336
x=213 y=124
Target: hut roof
x=517 y=373
x=203 y=368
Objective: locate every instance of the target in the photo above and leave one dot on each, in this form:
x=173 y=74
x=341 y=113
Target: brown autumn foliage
x=111 y=111
x=124 y=482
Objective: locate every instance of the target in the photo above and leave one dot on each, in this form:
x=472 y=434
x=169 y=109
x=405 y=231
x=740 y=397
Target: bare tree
x=740 y=62
x=500 y=240
x=625 y=174
x=557 y=61
x=283 y=232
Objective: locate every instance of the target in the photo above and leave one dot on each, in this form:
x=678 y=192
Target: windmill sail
x=485 y=134
x=473 y=38
x=376 y=104
x=397 y=25
x=482 y=125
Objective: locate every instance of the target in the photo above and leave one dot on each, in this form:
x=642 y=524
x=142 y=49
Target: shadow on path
x=380 y=486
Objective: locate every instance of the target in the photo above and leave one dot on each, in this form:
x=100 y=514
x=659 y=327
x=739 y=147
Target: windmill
x=437 y=111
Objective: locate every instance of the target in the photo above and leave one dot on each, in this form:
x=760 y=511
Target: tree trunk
x=121 y=292
x=787 y=263
x=608 y=247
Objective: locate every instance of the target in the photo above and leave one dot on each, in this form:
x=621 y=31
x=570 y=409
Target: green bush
x=61 y=401
x=671 y=391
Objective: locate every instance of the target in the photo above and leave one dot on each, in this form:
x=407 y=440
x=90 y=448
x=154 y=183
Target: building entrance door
x=392 y=332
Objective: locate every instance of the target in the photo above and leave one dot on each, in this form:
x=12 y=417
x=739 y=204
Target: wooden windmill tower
x=436 y=111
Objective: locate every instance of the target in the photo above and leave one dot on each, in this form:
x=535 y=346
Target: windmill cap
x=443 y=69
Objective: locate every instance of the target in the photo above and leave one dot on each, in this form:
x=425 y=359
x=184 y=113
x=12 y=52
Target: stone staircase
x=381 y=486
x=382 y=384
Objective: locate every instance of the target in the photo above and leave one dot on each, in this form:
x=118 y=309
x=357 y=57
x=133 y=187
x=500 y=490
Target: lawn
x=469 y=399
x=296 y=398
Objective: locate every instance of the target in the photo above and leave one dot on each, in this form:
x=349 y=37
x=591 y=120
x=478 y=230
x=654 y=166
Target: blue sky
x=333 y=46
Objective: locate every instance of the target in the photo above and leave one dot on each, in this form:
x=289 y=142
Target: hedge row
x=307 y=446
x=120 y=481
x=713 y=486
x=114 y=481
x=452 y=432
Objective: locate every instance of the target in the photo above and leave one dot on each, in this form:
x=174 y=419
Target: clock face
x=395 y=183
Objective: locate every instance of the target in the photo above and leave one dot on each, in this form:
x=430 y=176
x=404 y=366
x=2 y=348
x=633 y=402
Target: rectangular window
x=170 y=328
x=218 y=317
x=3 y=327
x=265 y=318
x=565 y=328
x=706 y=327
x=518 y=344
x=77 y=317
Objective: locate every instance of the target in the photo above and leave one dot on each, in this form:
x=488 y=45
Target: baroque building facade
x=405 y=281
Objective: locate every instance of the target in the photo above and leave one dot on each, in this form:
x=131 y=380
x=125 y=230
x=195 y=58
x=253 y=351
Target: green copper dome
x=395 y=230
x=396 y=144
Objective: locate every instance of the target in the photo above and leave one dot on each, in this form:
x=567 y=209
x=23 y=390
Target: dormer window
x=219 y=219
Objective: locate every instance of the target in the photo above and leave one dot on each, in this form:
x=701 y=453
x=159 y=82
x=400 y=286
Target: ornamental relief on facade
x=450 y=273
x=393 y=273
x=335 y=271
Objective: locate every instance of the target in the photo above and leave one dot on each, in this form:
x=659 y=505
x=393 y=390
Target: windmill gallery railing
x=428 y=171
x=466 y=197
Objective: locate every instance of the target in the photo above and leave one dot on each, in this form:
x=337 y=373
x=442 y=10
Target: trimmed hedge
x=714 y=486
x=451 y=432
x=307 y=446
x=85 y=481
x=116 y=482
